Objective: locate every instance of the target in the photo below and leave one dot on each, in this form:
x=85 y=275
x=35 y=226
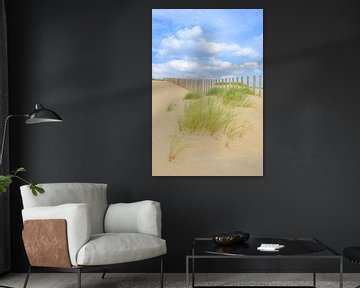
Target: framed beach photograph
x=207 y=92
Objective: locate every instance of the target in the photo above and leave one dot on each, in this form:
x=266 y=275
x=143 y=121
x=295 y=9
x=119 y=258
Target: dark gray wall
x=91 y=61
x=4 y=166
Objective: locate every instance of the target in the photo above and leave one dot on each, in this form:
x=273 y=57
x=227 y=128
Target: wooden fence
x=203 y=85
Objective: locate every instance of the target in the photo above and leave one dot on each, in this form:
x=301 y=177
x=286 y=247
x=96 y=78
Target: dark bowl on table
x=225 y=239
x=231 y=238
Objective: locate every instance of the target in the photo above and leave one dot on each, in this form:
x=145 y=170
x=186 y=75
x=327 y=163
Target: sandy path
x=204 y=155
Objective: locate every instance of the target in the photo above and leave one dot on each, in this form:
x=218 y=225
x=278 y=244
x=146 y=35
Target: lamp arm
x=4 y=134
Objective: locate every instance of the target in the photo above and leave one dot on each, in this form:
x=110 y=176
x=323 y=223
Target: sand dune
x=204 y=155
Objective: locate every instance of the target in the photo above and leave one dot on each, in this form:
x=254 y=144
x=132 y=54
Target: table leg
x=193 y=272
x=314 y=271
x=187 y=272
x=341 y=273
x=193 y=267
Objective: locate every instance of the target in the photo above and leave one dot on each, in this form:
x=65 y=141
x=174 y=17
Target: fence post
x=203 y=85
x=254 y=84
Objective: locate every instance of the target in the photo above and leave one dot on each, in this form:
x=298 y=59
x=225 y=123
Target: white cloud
x=229 y=23
x=233 y=49
x=217 y=64
x=190 y=42
x=174 y=67
x=244 y=52
x=251 y=65
x=207 y=67
x=211 y=43
x=182 y=65
x=187 y=33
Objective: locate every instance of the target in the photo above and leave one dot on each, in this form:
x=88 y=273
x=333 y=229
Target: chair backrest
x=62 y=193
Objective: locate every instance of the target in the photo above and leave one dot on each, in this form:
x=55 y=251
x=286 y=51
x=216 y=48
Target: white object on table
x=270 y=247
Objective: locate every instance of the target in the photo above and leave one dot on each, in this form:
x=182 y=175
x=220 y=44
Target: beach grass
x=193 y=96
x=236 y=96
x=171 y=107
x=216 y=91
x=207 y=115
x=233 y=131
x=176 y=145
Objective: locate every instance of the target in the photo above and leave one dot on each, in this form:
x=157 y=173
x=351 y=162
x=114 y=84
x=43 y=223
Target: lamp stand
x=4 y=135
x=39 y=115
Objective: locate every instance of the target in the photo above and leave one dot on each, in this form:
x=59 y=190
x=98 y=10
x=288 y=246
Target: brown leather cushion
x=46 y=243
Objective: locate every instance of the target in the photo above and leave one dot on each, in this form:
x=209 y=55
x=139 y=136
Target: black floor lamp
x=39 y=115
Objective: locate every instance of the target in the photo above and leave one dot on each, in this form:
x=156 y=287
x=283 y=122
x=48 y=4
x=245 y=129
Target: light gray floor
x=117 y=280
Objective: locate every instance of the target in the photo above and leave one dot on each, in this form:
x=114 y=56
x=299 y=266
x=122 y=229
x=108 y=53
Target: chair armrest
x=77 y=218
x=138 y=217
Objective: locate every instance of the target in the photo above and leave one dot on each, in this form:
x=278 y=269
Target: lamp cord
x=4 y=134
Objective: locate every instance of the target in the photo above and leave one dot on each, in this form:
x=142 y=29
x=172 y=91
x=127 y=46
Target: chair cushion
x=352 y=253
x=55 y=194
x=114 y=248
x=138 y=217
x=78 y=222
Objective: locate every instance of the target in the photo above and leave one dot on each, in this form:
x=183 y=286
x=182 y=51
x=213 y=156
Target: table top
x=293 y=247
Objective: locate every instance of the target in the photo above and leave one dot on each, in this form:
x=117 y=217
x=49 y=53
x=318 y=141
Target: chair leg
x=3 y=286
x=27 y=277
x=161 y=272
x=79 y=277
x=103 y=275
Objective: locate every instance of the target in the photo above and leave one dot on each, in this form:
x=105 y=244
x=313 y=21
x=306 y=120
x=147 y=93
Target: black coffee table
x=295 y=248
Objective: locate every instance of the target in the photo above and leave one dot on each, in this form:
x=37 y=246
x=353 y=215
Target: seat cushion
x=114 y=248
x=352 y=253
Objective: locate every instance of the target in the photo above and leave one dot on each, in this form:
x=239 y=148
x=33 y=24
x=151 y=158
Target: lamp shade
x=42 y=115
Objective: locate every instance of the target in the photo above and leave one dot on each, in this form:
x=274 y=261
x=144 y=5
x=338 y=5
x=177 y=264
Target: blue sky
x=209 y=43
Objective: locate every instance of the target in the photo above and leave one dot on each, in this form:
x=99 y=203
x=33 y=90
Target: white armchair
x=79 y=231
